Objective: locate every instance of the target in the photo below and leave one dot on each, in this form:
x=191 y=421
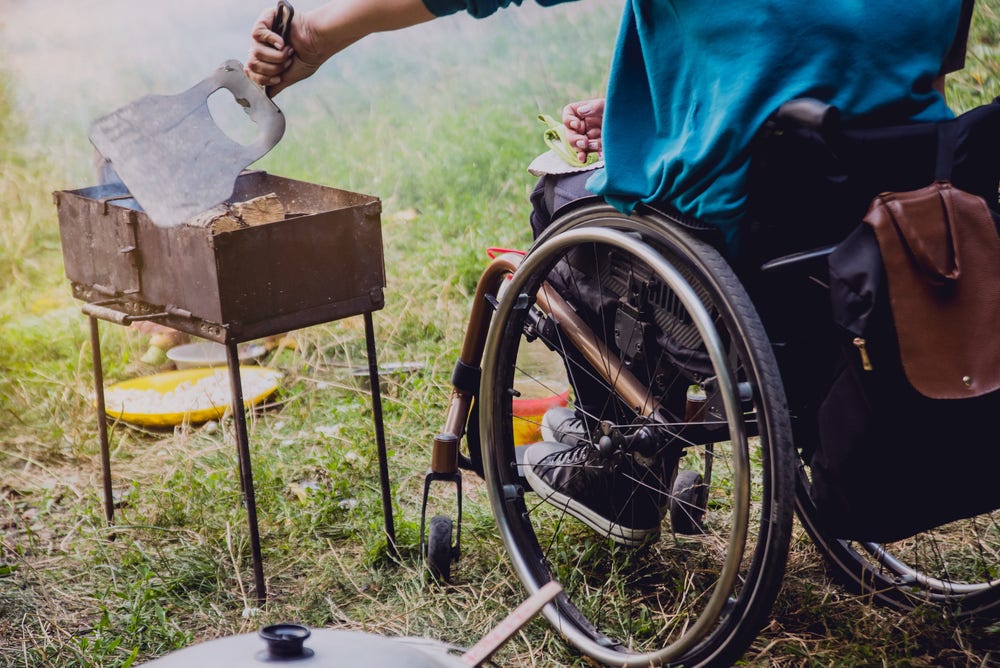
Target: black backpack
x=890 y=461
x=901 y=451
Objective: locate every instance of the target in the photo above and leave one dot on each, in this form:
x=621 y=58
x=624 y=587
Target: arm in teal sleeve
x=478 y=8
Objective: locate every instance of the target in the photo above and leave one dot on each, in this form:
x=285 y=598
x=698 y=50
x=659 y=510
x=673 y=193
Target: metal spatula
x=171 y=154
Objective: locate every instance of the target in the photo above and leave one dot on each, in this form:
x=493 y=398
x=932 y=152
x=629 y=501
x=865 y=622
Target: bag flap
x=923 y=220
x=946 y=321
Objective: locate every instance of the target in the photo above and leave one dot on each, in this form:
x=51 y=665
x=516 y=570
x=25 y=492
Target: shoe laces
x=586 y=456
x=578 y=455
x=572 y=425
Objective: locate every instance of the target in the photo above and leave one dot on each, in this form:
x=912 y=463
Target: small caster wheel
x=439 y=550
x=688 y=503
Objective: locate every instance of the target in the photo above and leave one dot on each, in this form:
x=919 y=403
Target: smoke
x=71 y=59
x=68 y=62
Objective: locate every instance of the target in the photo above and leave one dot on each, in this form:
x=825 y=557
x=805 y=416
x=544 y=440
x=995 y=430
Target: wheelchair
x=681 y=361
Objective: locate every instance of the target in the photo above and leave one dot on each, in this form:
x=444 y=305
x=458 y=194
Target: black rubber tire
x=614 y=597
x=439 y=548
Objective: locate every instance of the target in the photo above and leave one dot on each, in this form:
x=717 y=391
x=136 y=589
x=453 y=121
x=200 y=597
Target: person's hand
x=583 y=120
x=277 y=63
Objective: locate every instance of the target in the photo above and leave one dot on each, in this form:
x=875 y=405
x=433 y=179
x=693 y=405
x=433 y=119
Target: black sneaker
x=616 y=496
x=563 y=425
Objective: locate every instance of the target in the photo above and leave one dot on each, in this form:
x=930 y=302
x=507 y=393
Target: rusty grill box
x=321 y=263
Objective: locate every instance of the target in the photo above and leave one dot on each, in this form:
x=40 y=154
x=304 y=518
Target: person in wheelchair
x=691 y=84
x=708 y=180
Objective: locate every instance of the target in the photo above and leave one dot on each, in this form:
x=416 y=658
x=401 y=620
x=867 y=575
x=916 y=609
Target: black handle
x=283 y=19
x=282 y=24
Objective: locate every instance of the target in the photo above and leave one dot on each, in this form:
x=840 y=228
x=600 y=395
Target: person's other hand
x=277 y=64
x=583 y=120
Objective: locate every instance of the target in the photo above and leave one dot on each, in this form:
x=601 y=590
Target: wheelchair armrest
x=797 y=259
x=810 y=113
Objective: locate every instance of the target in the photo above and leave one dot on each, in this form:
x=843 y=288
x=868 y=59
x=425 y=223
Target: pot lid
x=292 y=645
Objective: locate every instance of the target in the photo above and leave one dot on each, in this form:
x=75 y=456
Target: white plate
x=210 y=353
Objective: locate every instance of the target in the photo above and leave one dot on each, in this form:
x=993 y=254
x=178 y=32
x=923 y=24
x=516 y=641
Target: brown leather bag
x=941 y=254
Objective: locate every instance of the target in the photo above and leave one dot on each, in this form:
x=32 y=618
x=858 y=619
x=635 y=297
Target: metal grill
x=322 y=262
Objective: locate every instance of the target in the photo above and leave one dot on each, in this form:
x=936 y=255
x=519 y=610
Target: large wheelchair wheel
x=955 y=567
x=672 y=372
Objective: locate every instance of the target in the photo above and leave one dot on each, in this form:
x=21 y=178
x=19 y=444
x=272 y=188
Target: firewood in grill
x=228 y=217
x=263 y=209
x=218 y=219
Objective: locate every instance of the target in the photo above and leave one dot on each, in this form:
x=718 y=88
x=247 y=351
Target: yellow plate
x=129 y=409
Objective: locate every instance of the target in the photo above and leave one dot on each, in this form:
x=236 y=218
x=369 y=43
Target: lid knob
x=285 y=641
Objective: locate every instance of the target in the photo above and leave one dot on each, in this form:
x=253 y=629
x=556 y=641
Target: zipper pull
x=866 y=363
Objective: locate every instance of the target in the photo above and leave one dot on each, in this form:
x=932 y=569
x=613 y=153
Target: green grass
x=440 y=124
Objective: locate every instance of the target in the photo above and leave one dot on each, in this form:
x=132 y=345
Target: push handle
x=282 y=24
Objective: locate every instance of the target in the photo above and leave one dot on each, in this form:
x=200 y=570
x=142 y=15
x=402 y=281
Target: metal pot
x=285 y=645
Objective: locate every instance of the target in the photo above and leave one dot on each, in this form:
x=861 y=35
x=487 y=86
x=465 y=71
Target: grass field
x=440 y=123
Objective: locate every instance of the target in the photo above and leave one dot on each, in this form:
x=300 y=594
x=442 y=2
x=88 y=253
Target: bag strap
x=948 y=137
x=927 y=227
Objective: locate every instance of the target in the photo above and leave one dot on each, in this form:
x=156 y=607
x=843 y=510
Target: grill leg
x=383 y=459
x=102 y=421
x=246 y=473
